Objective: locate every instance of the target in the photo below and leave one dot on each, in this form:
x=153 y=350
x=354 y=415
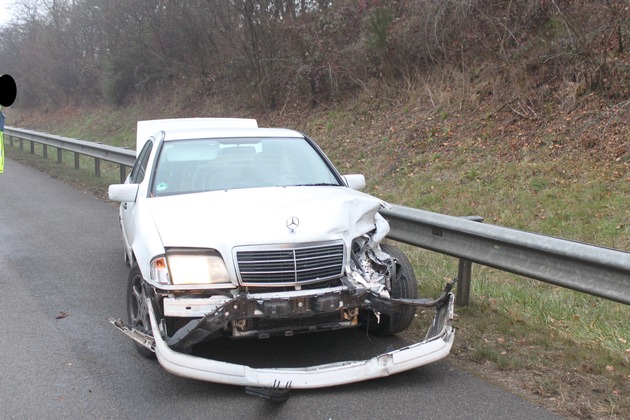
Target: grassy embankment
x=565 y=175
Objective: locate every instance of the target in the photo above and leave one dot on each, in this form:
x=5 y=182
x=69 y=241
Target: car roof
x=216 y=133
x=191 y=128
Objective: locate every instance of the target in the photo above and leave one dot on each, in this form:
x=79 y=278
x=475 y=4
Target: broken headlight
x=190 y=268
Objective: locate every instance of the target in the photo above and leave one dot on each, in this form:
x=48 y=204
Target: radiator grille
x=286 y=266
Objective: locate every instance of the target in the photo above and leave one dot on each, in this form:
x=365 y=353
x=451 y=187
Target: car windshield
x=189 y=166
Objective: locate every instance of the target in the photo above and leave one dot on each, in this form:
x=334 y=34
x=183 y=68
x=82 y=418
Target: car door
x=128 y=209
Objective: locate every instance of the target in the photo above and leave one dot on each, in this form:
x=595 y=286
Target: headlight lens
x=189 y=268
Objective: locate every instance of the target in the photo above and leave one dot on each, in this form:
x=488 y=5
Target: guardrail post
x=32 y=147
x=76 y=161
x=464 y=276
x=45 y=151
x=59 y=154
x=21 y=143
x=11 y=141
x=123 y=173
x=97 y=167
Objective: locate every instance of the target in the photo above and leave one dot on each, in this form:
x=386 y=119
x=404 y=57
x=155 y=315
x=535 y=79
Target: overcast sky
x=5 y=11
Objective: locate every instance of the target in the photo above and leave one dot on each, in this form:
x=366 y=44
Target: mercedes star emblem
x=292 y=223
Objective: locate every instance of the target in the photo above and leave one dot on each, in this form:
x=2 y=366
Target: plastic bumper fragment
x=435 y=346
x=274 y=394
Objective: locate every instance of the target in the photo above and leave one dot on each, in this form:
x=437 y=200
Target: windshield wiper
x=321 y=184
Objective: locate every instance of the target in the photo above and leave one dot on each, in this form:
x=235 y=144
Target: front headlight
x=186 y=268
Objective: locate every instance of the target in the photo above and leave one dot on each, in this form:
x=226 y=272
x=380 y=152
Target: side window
x=139 y=168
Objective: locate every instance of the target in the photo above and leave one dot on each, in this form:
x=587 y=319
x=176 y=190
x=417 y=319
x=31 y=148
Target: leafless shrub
x=273 y=53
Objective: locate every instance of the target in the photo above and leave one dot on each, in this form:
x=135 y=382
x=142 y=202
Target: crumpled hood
x=224 y=219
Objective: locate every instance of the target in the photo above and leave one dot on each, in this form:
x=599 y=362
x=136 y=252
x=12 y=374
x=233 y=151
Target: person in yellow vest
x=1 y=140
x=8 y=92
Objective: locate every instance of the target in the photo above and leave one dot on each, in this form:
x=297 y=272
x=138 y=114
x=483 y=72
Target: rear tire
x=404 y=286
x=137 y=309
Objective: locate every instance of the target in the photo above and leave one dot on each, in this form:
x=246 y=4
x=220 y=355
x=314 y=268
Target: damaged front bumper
x=436 y=345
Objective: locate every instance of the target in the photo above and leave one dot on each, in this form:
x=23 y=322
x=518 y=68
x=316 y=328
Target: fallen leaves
x=61 y=314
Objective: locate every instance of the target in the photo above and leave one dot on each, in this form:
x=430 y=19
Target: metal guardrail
x=586 y=268
x=123 y=157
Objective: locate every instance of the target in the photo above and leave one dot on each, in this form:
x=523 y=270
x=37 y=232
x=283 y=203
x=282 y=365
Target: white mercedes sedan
x=239 y=231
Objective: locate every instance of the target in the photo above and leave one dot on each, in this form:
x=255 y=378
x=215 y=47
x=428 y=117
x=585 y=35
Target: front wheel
x=137 y=308
x=405 y=286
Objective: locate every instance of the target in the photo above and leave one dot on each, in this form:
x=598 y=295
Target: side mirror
x=355 y=181
x=124 y=193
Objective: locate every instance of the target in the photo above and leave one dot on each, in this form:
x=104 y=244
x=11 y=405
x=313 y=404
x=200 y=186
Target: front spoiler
x=435 y=346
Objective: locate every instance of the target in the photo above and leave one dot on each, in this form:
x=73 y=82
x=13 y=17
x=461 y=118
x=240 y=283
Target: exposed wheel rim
x=138 y=309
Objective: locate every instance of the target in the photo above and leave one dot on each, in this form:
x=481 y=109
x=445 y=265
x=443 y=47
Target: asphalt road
x=62 y=276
